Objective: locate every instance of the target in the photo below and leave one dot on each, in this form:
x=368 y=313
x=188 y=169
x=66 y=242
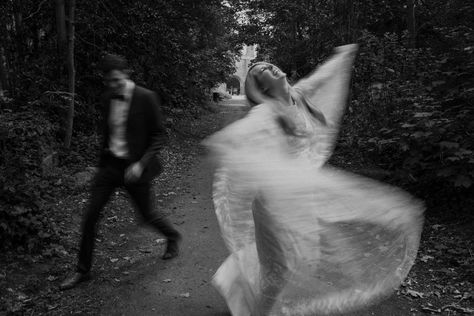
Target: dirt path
x=181 y=286
x=129 y=277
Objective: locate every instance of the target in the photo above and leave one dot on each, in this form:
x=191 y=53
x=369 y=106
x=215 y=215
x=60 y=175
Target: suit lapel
x=105 y=120
x=133 y=107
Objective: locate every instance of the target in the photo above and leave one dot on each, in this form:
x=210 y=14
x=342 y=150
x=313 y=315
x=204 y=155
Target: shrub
x=411 y=112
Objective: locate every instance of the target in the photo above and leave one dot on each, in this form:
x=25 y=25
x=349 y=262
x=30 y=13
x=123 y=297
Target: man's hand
x=133 y=172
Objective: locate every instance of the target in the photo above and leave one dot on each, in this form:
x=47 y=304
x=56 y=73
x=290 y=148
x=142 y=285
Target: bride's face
x=270 y=78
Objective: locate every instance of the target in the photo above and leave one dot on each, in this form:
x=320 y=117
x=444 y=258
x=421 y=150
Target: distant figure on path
x=133 y=135
x=304 y=238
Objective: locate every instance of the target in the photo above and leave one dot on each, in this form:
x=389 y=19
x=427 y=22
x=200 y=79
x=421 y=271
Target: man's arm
x=159 y=136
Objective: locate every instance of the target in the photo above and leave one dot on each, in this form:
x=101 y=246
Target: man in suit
x=133 y=134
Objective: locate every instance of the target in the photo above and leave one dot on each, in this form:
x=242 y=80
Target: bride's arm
x=326 y=88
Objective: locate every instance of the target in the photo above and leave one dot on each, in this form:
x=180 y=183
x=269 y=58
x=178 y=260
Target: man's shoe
x=172 y=250
x=73 y=280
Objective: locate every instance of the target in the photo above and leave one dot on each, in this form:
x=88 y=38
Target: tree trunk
x=19 y=34
x=71 y=74
x=61 y=31
x=3 y=59
x=15 y=53
x=411 y=23
x=350 y=21
x=344 y=12
x=3 y=73
x=61 y=25
x=294 y=67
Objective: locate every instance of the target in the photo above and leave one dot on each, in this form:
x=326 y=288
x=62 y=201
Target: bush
x=411 y=113
x=27 y=137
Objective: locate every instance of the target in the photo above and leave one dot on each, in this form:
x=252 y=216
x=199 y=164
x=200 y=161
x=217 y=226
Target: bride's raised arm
x=327 y=87
x=322 y=99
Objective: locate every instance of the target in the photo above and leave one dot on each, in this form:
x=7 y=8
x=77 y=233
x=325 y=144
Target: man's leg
x=141 y=195
x=104 y=183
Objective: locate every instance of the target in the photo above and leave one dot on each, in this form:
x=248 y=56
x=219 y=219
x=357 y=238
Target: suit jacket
x=145 y=133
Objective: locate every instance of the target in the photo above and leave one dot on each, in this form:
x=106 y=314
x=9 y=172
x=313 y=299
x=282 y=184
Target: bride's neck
x=285 y=97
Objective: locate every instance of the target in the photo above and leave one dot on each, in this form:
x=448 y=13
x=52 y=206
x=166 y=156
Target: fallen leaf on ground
x=426 y=308
x=425 y=258
x=414 y=293
x=52 y=278
x=51 y=307
x=465 y=310
x=22 y=297
x=113 y=260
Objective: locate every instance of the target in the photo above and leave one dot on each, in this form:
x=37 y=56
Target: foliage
x=25 y=138
x=420 y=122
x=180 y=49
x=294 y=35
x=411 y=107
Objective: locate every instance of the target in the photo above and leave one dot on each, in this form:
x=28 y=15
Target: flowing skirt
x=307 y=241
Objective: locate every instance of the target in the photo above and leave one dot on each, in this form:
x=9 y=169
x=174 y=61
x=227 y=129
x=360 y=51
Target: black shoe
x=172 y=249
x=73 y=280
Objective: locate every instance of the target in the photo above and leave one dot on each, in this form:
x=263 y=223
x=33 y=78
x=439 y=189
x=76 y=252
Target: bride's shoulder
x=263 y=111
x=262 y=107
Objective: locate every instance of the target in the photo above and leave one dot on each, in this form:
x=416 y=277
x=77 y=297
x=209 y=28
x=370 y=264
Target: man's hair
x=112 y=62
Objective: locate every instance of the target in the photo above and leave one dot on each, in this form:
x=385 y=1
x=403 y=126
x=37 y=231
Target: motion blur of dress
x=305 y=238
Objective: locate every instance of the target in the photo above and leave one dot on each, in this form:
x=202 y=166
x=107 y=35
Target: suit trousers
x=106 y=181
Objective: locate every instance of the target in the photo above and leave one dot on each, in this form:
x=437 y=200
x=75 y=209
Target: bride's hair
x=256 y=95
x=253 y=88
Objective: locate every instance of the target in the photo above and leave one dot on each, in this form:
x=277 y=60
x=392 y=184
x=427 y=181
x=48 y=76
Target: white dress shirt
x=118 y=122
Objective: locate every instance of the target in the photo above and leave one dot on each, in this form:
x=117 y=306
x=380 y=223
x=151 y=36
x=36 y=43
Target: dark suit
x=145 y=135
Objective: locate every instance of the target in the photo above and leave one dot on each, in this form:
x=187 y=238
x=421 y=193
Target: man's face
x=116 y=80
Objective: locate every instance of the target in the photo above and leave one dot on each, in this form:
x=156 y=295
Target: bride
x=304 y=238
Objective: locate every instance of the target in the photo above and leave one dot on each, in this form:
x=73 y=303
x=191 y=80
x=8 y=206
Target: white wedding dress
x=305 y=238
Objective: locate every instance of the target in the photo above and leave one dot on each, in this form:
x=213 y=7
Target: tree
x=61 y=34
x=3 y=70
x=411 y=23
x=71 y=74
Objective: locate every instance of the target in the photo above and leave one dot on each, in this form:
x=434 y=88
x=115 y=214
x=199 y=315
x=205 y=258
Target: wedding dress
x=305 y=238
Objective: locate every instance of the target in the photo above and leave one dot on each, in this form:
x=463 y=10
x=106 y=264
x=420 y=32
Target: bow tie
x=118 y=97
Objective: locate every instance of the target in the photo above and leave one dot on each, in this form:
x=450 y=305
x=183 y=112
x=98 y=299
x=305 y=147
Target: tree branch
x=37 y=10
x=87 y=42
